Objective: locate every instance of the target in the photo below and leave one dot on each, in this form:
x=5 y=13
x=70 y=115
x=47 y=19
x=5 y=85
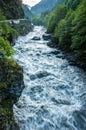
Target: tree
x=72 y=3
x=63 y=30
x=58 y=14
x=5 y=47
x=79 y=31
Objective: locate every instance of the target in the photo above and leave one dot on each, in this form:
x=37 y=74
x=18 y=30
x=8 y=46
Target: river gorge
x=54 y=96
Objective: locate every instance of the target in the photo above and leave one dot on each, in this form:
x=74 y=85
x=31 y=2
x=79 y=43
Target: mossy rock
x=11 y=86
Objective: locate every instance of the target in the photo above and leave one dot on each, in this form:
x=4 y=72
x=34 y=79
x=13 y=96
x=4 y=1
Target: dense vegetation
x=6 y=37
x=44 y=5
x=43 y=11
x=68 y=25
x=41 y=19
x=12 y=9
x=72 y=3
x=11 y=74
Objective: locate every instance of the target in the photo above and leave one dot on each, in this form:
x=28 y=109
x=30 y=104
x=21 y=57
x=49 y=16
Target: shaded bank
x=11 y=86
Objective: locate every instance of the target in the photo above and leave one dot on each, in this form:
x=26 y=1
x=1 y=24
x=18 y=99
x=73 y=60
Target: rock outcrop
x=12 y=9
x=47 y=36
x=11 y=86
x=22 y=26
x=36 y=38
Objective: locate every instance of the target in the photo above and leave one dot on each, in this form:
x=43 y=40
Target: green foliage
x=12 y=9
x=5 y=47
x=41 y=19
x=2 y=17
x=10 y=71
x=6 y=113
x=79 y=30
x=37 y=20
x=69 y=26
x=63 y=30
x=72 y=3
x=58 y=14
x=6 y=37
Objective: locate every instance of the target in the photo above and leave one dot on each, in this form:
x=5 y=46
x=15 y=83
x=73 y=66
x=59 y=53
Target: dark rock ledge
x=11 y=86
x=67 y=54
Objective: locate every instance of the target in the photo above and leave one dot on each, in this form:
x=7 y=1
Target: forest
x=69 y=27
x=67 y=23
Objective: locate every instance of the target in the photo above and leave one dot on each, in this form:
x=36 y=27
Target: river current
x=54 y=97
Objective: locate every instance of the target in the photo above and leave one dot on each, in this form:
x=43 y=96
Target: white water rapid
x=54 y=97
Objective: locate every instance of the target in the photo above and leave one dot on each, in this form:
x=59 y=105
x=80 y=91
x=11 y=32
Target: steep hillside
x=27 y=12
x=67 y=23
x=12 y=9
x=11 y=76
x=44 y=5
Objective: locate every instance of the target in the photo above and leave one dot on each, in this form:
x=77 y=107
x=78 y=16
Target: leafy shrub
x=6 y=37
x=5 y=47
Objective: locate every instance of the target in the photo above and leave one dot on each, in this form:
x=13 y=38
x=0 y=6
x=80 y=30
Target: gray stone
x=47 y=36
x=36 y=38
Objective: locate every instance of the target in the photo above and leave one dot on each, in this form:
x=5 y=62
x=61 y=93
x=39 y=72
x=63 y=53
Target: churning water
x=54 y=97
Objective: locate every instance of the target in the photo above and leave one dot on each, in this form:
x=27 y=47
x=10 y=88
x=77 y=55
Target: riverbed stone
x=47 y=36
x=36 y=38
x=39 y=75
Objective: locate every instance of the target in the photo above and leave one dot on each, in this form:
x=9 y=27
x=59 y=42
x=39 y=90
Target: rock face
x=47 y=36
x=36 y=38
x=11 y=86
x=12 y=9
x=22 y=26
x=44 y=5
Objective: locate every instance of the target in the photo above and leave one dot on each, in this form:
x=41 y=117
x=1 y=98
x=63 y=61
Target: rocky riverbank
x=54 y=96
x=69 y=55
x=22 y=26
x=11 y=74
x=11 y=86
x=11 y=79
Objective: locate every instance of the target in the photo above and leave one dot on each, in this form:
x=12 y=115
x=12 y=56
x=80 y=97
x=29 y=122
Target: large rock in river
x=47 y=36
x=36 y=38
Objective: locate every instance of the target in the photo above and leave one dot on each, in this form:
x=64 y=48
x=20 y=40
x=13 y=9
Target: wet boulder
x=39 y=75
x=47 y=36
x=36 y=38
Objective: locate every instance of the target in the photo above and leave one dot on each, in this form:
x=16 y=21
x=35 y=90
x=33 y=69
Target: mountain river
x=54 y=97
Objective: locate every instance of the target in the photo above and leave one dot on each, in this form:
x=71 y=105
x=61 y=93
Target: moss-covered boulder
x=11 y=86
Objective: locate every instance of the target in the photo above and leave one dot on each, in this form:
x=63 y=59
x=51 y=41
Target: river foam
x=55 y=93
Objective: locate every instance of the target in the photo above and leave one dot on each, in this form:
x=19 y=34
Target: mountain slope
x=12 y=9
x=44 y=5
x=27 y=12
